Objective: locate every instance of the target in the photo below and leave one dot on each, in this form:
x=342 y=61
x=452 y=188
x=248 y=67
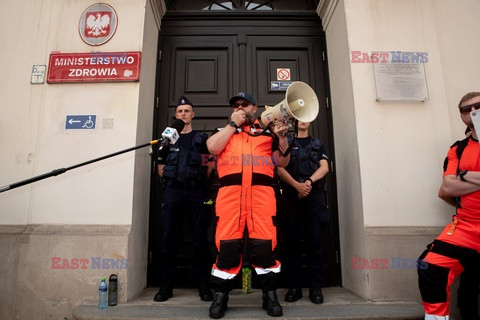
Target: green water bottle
x=246 y=280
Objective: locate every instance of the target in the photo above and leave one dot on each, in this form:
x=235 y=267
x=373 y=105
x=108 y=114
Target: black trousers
x=314 y=214
x=468 y=292
x=180 y=203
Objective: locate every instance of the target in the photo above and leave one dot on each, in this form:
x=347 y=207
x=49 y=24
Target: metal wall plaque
x=400 y=76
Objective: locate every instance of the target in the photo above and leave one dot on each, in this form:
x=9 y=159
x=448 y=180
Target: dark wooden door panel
x=204 y=75
x=270 y=54
x=301 y=56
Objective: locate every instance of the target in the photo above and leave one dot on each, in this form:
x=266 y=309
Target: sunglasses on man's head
x=467 y=109
x=243 y=104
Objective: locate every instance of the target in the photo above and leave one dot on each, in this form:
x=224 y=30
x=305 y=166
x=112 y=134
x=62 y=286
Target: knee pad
x=229 y=253
x=433 y=279
x=262 y=253
x=432 y=282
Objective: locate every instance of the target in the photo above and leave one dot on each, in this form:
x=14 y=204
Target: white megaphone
x=300 y=103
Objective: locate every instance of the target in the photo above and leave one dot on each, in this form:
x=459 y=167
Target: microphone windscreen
x=178 y=124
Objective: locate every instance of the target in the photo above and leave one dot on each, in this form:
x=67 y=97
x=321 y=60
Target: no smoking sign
x=283 y=74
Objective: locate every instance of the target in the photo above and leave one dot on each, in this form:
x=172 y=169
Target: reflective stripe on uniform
x=222 y=274
x=261 y=271
x=434 y=317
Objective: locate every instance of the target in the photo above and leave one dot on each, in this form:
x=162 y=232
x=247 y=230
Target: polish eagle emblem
x=97 y=24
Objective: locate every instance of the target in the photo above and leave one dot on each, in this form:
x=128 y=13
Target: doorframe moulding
x=325 y=10
x=159 y=9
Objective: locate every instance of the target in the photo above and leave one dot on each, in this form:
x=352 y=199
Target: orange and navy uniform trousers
x=457 y=248
x=246 y=198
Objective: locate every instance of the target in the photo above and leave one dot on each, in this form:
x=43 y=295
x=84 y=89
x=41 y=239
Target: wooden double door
x=209 y=57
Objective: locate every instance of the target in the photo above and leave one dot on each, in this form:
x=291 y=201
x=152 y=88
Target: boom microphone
x=171 y=134
x=58 y=171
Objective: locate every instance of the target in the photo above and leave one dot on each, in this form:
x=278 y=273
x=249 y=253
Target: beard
x=249 y=118
x=469 y=123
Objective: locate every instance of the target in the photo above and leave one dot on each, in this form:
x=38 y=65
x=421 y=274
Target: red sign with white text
x=94 y=67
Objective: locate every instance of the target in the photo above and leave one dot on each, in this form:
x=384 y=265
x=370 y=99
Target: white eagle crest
x=96 y=24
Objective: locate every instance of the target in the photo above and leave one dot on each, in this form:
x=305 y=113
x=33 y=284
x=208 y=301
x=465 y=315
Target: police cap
x=183 y=100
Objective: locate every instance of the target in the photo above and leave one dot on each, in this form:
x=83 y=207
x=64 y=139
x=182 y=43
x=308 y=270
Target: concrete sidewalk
x=185 y=304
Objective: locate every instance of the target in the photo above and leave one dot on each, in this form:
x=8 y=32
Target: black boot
x=205 y=293
x=293 y=294
x=164 y=293
x=219 y=305
x=270 y=303
x=316 y=295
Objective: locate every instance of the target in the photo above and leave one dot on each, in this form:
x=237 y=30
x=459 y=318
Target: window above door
x=241 y=5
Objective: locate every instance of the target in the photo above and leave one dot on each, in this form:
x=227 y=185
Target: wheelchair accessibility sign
x=80 y=122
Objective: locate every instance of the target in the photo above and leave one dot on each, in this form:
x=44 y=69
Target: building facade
x=60 y=235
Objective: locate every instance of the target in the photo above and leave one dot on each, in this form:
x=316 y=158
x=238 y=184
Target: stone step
x=339 y=303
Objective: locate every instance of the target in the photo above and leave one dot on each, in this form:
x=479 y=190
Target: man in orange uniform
x=457 y=247
x=247 y=156
x=468 y=289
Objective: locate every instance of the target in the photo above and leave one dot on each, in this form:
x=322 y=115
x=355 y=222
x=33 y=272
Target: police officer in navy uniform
x=185 y=175
x=303 y=198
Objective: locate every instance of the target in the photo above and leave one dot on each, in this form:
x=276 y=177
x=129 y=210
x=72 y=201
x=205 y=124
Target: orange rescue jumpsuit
x=246 y=197
x=457 y=246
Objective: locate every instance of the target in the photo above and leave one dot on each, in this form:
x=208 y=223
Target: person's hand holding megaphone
x=280 y=128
